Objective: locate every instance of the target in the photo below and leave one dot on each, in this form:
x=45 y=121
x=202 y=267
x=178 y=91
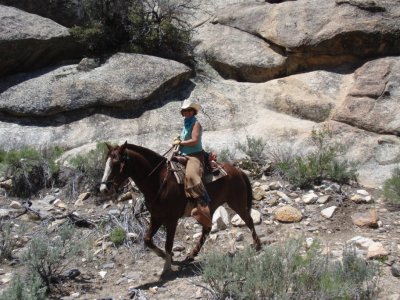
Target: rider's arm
x=196 y=132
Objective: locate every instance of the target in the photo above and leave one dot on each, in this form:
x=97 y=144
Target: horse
x=165 y=198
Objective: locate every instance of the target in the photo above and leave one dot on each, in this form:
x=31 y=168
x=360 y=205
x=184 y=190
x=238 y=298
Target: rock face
x=125 y=80
x=372 y=101
x=353 y=30
x=269 y=69
x=239 y=55
x=28 y=41
x=64 y=12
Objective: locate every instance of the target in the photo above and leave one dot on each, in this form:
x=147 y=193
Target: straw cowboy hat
x=190 y=104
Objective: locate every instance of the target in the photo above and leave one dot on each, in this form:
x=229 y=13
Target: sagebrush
x=326 y=161
x=391 y=187
x=288 y=271
x=30 y=169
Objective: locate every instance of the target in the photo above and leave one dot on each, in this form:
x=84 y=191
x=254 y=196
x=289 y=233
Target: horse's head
x=113 y=175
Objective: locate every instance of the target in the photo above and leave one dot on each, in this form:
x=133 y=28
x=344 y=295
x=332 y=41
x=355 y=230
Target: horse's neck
x=147 y=168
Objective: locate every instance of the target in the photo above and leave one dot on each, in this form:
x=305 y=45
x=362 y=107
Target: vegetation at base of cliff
x=391 y=187
x=30 y=169
x=289 y=271
x=88 y=169
x=324 y=162
x=139 y=26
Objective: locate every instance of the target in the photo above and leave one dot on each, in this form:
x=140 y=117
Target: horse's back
x=234 y=189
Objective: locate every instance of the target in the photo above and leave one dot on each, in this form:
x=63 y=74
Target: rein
x=159 y=164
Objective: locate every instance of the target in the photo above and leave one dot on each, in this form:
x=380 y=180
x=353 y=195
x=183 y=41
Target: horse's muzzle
x=106 y=187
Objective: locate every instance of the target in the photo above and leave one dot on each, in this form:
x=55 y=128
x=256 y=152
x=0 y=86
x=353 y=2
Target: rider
x=190 y=146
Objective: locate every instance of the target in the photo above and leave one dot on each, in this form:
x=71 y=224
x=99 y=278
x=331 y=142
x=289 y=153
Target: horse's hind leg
x=246 y=217
x=200 y=242
x=148 y=238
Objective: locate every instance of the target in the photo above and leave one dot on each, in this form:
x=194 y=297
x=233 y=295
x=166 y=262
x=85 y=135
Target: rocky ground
x=331 y=214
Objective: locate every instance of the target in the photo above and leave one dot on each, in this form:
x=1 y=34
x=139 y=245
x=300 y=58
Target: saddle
x=211 y=174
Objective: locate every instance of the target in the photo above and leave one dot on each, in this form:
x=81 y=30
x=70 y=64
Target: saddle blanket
x=179 y=172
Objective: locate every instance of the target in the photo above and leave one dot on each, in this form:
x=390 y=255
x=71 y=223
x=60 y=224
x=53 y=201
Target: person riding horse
x=190 y=146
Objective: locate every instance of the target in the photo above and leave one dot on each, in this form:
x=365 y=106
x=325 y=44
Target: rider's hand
x=177 y=141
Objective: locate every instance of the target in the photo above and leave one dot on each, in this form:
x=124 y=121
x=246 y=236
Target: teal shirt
x=186 y=134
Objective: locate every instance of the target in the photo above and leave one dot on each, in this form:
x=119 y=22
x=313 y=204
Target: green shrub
x=325 y=162
x=253 y=148
x=7 y=243
x=139 y=26
x=118 y=236
x=29 y=288
x=89 y=169
x=47 y=254
x=226 y=155
x=287 y=272
x=391 y=187
x=29 y=168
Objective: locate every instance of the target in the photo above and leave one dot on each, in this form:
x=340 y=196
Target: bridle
x=166 y=160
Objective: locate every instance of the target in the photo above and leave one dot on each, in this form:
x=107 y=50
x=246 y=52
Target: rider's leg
x=202 y=214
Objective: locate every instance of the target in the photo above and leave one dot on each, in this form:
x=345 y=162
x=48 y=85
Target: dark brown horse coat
x=165 y=198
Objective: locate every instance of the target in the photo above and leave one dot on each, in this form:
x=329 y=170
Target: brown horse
x=165 y=198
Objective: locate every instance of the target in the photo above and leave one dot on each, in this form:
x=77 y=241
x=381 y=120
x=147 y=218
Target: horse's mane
x=146 y=152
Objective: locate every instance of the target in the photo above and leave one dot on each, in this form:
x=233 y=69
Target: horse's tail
x=249 y=191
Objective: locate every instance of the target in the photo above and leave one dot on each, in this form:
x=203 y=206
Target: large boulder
x=64 y=12
x=125 y=80
x=239 y=55
x=315 y=34
x=372 y=102
x=28 y=41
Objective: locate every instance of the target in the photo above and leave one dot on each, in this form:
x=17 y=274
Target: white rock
x=323 y=199
x=255 y=215
x=309 y=198
x=220 y=219
x=363 y=192
x=283 y=196
x=103 y=274
x=361 y=242
x=328 y=212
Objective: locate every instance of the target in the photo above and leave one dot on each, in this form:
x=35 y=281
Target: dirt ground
x=128 y=273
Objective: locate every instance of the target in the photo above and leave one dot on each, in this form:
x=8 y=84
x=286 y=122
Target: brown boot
x=202 y=214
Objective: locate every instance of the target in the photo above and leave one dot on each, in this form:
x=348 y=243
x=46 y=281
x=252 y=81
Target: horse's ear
x=109 y=147
x=123 y=147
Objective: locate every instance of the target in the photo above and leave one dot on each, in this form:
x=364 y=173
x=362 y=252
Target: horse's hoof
x=189 y=259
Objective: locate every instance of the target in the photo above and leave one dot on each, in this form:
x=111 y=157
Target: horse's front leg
x=148 y=238
x=171 y=229
x=204 y=234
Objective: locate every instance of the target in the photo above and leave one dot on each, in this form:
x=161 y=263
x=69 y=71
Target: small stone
x=361 y=242
x=49 y=199
x=275 y=185
x=15 y=205
x=283 y=196
x=132 y=236
x=328 y=212
x=323 y=199
x=376 y=250
x=309 y=198
x=288 y=214
x=363 y=192
x=395 y=270
x=367 y=219
x=179 y=248
x=109 y=266
x=103 y=274
x=258 y=193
